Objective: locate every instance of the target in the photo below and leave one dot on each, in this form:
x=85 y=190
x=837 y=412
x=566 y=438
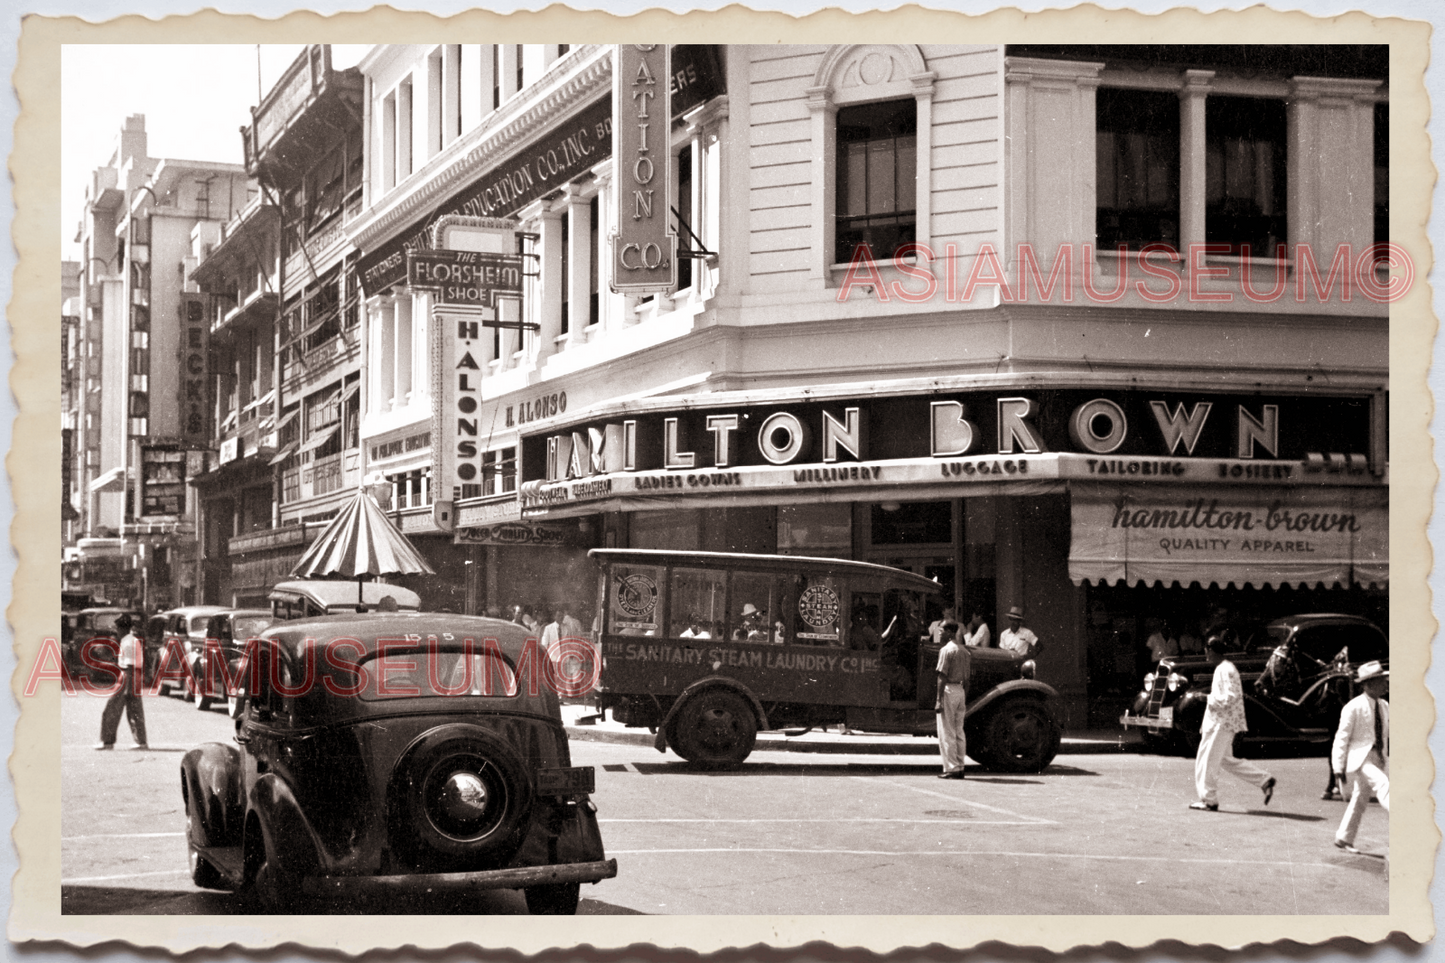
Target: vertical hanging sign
x=472 y=263
x=194 y=385
x=644 y=246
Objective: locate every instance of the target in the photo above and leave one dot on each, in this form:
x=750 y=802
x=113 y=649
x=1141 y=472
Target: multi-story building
x=144 y=429
x=285 y=335
x=912 y=325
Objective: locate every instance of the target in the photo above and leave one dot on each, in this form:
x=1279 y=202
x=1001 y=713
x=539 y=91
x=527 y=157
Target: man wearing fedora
x=1361 y=754
x=131 y=660
x=1018 y=638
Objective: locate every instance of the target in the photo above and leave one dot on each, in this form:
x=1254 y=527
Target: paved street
x=802 y=833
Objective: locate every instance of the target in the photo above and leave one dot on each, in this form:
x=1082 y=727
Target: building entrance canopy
x=1262 y=536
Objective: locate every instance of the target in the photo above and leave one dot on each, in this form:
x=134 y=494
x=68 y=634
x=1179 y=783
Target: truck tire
x=1019 y=736
x=715 y=729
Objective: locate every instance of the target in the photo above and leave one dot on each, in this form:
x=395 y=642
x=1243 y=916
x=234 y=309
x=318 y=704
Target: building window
x=496 y=76
x=1382 y=173
x=684 y=216
x=1244 y=169
x=499 y=471
x=403 y=130
x=877 y=176
x=1137 y=168
x=566 y=272
x=434 y=112
x=594 y=299
x=388 y=141
x=520 y=82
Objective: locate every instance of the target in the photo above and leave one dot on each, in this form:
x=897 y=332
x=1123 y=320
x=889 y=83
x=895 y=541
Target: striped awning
x=361 y=541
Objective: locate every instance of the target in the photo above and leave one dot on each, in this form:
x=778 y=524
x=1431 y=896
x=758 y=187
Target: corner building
x=912 y=326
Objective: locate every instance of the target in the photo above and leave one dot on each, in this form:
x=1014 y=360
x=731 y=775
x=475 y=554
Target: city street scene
x=736 y=479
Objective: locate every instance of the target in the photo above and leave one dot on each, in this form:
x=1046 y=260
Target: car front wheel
x=1021 y=736
x=554 y=899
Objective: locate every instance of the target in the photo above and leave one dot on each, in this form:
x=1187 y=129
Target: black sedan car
x=1296 y=671
x=388 y=754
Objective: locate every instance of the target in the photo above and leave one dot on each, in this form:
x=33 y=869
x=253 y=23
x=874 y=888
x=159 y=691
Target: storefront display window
x=912 y=523
x=824 y=530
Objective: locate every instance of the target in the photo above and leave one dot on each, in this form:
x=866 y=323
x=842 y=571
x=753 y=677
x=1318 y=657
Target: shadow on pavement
x=1275 y=814
x=921 y=768
x=118 y=900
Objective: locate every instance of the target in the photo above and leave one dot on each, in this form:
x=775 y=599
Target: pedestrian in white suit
x=1223 y=717
x=1361 y=752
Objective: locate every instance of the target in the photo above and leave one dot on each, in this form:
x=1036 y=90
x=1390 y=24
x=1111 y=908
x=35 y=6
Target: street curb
x=864 y=745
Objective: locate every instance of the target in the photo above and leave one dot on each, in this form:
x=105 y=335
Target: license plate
x=1166 y=716
x=566 y=782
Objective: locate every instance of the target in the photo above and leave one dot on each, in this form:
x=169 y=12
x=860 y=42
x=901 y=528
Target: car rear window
x=251 y=626
x=428 y=673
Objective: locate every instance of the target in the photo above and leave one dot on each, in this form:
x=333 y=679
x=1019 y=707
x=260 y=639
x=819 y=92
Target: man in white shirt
x=1361 y=753
x=131 y=659
x=1018 y=638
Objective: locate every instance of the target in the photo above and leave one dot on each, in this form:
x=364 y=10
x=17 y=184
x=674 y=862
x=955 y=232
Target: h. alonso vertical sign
x=644 y=247
x=473 y=263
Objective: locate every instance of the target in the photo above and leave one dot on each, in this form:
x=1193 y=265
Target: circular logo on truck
x=637 y=596
x=818 y=605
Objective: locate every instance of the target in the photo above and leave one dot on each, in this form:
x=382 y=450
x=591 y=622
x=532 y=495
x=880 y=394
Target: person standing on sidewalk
x=1223 y=717
x=953 y=665
x=1361 y=753
x=126 y=698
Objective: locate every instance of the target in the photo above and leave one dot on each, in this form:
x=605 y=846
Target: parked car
x=304 y=599
x=371 y=780
x=94 y=639
x=230 y=630
x=187 y=626
x=1311 y=682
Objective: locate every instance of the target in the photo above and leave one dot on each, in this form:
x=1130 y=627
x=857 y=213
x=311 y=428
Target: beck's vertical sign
x=644 y=247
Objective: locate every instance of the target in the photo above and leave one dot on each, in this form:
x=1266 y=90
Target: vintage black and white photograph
x=729 y=479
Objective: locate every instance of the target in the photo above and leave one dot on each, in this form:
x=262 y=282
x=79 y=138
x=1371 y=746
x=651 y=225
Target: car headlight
x=1177 y=681
x=1149 y=682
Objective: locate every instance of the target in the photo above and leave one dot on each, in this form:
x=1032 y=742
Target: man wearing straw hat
x=1018 y=638
x=1361 y=752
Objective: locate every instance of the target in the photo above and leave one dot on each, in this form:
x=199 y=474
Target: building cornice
x=537 y=109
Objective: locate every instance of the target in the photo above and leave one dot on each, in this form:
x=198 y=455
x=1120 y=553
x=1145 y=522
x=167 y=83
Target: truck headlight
x=1149 y=682
x=1177 y=681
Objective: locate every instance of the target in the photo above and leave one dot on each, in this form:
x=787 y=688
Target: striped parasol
x=360 y=542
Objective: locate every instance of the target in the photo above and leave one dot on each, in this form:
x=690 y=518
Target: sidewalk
x=817 y=740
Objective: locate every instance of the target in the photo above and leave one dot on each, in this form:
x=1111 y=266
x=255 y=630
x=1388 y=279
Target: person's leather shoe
x=102 y=746
x=1341 y=844
x=1209 y=807
x=957 y=774
x=1268 y=790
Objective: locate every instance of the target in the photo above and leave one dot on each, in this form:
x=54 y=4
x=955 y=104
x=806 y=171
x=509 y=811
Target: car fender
x=211 y=788
x=1033 y=687
x=1189 y=710
x=288 y=835
x=707 y=682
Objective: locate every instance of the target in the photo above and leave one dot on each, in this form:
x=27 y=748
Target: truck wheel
x=1021 y=736
x=554 y=899
x=715 y=729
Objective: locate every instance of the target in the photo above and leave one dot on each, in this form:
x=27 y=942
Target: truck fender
x=1045 y=692
x=722 y=681
x=211 y=789
x=284 y=829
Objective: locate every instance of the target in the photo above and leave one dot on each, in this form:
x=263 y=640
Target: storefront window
x=672 y=530
x=912 y=523
x=820 y=530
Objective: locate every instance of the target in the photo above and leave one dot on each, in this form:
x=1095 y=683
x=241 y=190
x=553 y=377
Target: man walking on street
x=1361 y=753
x=131 y=660
x=953 y=664
x=1223 y=717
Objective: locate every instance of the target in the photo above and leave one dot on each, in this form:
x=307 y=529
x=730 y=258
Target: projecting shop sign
x=472 y=266
x=644 y=247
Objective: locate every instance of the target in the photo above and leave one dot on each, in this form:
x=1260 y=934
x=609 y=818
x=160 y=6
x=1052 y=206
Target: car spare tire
x=464 y=796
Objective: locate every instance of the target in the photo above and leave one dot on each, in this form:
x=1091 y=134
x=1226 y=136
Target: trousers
x=126 y=698
x=1359 y=784
x=1216 y=751
x=951 y=741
